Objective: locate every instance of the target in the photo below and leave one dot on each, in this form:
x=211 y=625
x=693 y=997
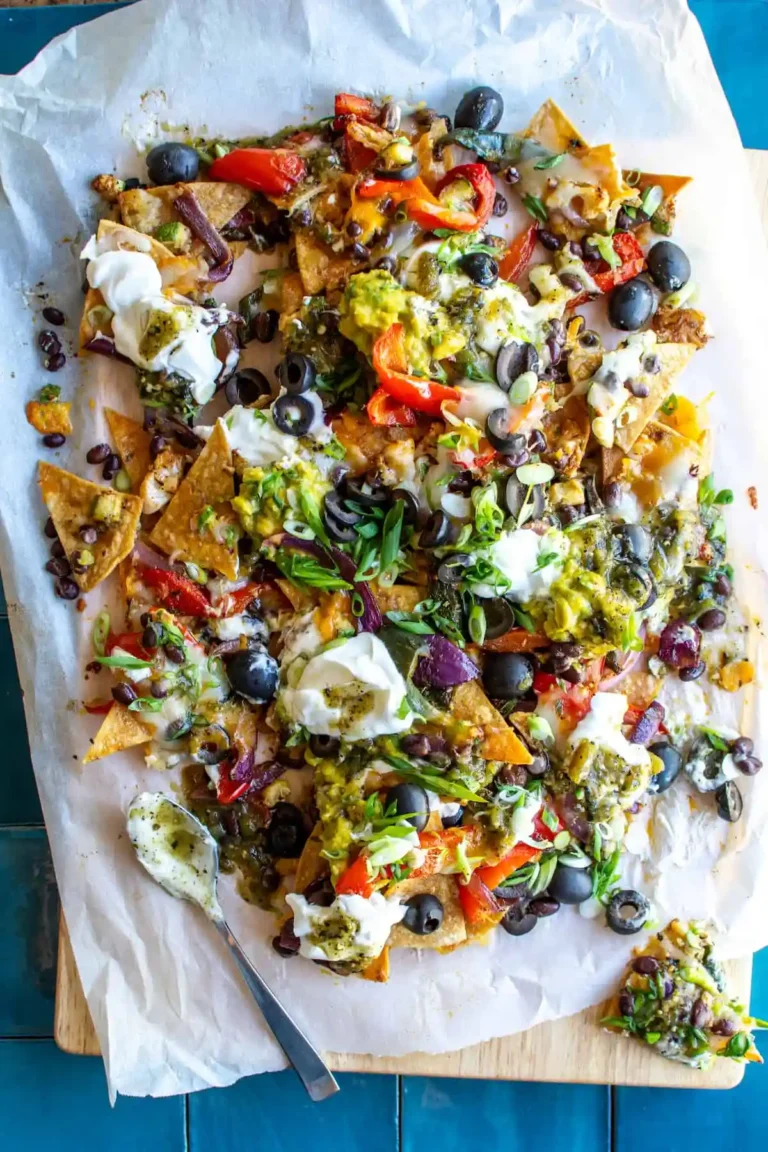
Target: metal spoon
x=182 y=856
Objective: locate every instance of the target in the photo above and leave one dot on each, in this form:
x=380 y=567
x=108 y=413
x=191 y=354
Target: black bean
x=57 y=550
x=59 y=566
x=88 y=534
x=159 y=689
x=500 y=205
x=626 y=1004
x=55 y=362
x=66 y=588
x=98 y=454
x=511 y=175
x=513 y=774
x=724 y=1027
x=743 y=746
x=693 y=673
x=79 y=564
x=539 y=765
x=711 y=620
x=638 y=388
x=49 y=342
x=590 y=249
x=150 y=637
x=645 y=965
x=265 y=326
x=572 y=281
x=156 y=445
x=722 y=586
x=54 y=316
x=575 y=248
x=748 y=765
x=416 y=745
x=175 y=653
x=50 y=529
x=544 y=906
x=124 y=694
x=354 y=229
x=463 y=483
x=700 y=1014
x=550 y=240
x=54 y=440
x=111 y=466
x=360 y=252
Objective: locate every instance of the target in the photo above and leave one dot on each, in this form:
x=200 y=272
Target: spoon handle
x=312 y=1071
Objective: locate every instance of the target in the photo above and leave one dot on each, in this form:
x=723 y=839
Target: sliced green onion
x=101 y=627
x=534 y=207
x=123 y=662
x=651 y=199
x=145 y=704
x=541 y=729
x=537 y=473
x=562 y=840
x=122 y=481
x=604 y=245
x=523 y=388
x=477 y=623
x=550 y=161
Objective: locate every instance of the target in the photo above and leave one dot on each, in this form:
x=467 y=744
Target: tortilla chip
x=670 y=185
x=163 y=478
x=567 y=430
x=70 y=501
x=551 y=127
x=453 y=929
x=132 y=444
x=311 y=864
x=88 y=329
x=322 y=269
x=674 y=358
x=51 y=417
x=147 y=208
x=504 y=744
x=398 y=598
x=611 y=460
x=378 y=969
x=121 y=729
x=183 y=273
x=209 y=482
x=470 y=703
x=651 y=453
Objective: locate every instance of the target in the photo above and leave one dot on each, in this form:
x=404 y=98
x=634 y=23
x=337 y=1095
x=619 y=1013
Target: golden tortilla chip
x=551 y=127
x=120 y=729
x=73 y=502
x=674 y=358
x=146 y=209
x=567 y=430
x=470 y=703
x=163 y=478
x=322 y=269
x=183 y=273
x=132 y=444
x=209 y=484
x=398 y=598
x=311 y=864
x=96 y=319
x=51 y=417
x=670 y=185
x=453 y=929
x=505 y=745
x=378 y=969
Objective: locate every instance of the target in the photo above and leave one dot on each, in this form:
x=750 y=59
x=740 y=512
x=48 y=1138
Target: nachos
x=419 y=621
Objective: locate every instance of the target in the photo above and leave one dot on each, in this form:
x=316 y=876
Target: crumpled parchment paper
x=168 y=1005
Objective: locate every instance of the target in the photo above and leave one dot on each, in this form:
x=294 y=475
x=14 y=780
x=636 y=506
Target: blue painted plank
x=50 y=1100
x=699 y=1119
x=19 y=803
x=274 y=1113
x=30 y=933
x=24 y=31
x=514 y=1117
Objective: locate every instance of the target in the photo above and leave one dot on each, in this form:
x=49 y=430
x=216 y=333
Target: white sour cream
x=517 y=554
x=375 y=918
x=602 y=726
x=353 y=690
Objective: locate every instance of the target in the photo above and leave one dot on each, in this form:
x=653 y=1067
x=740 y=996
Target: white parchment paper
x=168 y=1006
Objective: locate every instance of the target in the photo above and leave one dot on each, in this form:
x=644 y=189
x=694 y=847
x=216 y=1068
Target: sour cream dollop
x=602 y=726
x=531 y=563
x=374 y=917
x=154 y=331
x=353 y=690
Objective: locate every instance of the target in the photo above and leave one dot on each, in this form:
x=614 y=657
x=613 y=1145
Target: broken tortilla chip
x=146 y=209
x=186 y=528
x=132 y=444
x=470 y=703
x=163 y=478
x=674 y=358
x=453 y=929
x=670 y=185
x=398 y=598
x=120 y=729
x=567 y=430
x=322 y=269
x=505 y=745
x=73 y=502
x=311 y=864
x=50 y=417
x=378 y=969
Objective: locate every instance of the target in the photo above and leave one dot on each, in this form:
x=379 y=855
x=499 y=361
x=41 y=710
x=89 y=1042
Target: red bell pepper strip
x=347 y=104
x=632 y=263
x=391 y=368
x=518 y=256
x=396 y=190
x=495 y=874
x=480 y=907
x=130 y=642
x=384 y=411
x=175 y=592
x=478 y=176
x=227 y=789
x=355 y=880
x=273 y=171
x=422 y=206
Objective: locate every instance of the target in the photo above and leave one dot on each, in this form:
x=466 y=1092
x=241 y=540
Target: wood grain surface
x=574 y=1049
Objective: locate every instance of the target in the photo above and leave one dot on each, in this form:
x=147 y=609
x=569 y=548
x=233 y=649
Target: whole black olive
x=729 y=802
x=481 y=108
x=423 y=914
x=253 y=674
x=507 y=675
x=633 y=542
x=481 y=268
x=320 y=745
x=672 y=761
x=246 y=387
x=286 y=835
x=437 y=531
x=411 y=801
x=630 y=305
x=498 y=434
x=518 y=925
x=668 y=266
x=173 y=163
x=297 y=373
x=293 y=415
x=571 y=885
x=627 y=912
x=499 y=617
x=512 y=360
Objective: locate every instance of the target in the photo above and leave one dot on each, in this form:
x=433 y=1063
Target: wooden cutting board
x=573 y=1050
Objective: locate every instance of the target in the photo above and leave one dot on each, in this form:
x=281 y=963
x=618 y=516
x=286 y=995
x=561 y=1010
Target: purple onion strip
x=648 y=725
x=371 y=619
x=196 y=220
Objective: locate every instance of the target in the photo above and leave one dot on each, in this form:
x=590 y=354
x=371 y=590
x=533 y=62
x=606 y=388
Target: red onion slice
x=445 y=665
x=371 y=619
x=196 y=220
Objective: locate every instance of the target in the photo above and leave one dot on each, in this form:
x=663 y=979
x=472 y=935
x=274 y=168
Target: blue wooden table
x=57 y=1102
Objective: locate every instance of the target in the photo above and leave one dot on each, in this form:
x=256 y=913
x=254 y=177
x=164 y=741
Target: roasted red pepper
x=391 y=368
x=355 y=880
x=422 y=206
x=632 y=263
x=175 y=592
x=130 y=642
x=495 y=874
x=518 y=640
x=518 y=256
x=273 y=171
x=480 y=907
x=385 y=411
x=237 y=601
x=227 y=789
x=478 y=176
x=347 y=104
x=357 y=155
